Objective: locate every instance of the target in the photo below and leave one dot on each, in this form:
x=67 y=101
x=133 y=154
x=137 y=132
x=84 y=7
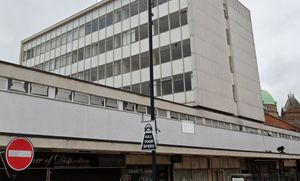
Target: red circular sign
x=19 y=154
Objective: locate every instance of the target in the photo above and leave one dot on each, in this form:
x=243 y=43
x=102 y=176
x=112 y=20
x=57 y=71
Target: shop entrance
x=218 y=175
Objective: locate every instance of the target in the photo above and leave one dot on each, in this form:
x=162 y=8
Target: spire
x=292 y=102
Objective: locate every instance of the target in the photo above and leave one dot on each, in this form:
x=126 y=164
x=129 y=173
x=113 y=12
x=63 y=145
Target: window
x=95 y=47
x=161 y=113
x=57 y=63
x=87 y=75
x=117 y=15
x=174 y=115
x=186 y=46
x=143 y=31
x=183 y=18
x=117 y=67
x=174 y=20
x=43 y=49
x=146 y=88
x=63 y=94
x=74 y=56
x=81 y=31
x=52 y=64
x=109 y=44
x=87 y=52
x=135 y=63
x=155 y=27
x=134 y=8
x=101 y=46
x=178 y=83
x=75 y=33
x=234 y=91
x=101 y=22
x=63 y=38
x=52 y=43
x=157 y=85
x=134 y=35
x=128 y=106
x=80 y=54
x=94 y=74
x=69 y=59
x=58 y=42
x=69 y=36
x=141 y=108
x=88 y=28
x=126 y=38
x=101 y=72
x=46 y=66
x=188 y=81
x=136 y=88
x=165 y=54
x=17 y=85
x=156 y=56
x=162 y=1
x=125 y=65
x=145 y=60
x=166 y=85
x=63 y=61
x=109 y=19
x=117 y=41
x=126 y=88
x=163 y=24
x=97 y=100
x=143 y=5
x=81 y=97
x=95 y=25
x=111 y=103
x=231 y=64
x=2 y=83
x=48 y=47
x=228 y=36
x=125 y=12
x=176 y=51
x=80 y=75
x=109 y=70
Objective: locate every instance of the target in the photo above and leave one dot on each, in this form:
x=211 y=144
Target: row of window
x=94 y=100
x=118 y=15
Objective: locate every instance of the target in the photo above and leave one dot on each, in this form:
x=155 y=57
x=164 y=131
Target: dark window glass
x=134 y=35
x=143 y=5
x=37 y=89
x=125 y=65
x=183 y=17
x=101 y=22
x=82 y=31
x=63 y=94
x=101 y=46
x=109 y=70
x=158 y=87
x=136 y=88
x=112 y=103
x=128 y=106
x=188 y=81
x=109 y=44
x=145 y=60
x=80 y=54
x=178 y=83
x=52 y=64
x=145 y=88
x=95 y=25
x=69 y=58
x=155 y=27
x=176 y=51
x=63 y=60
x=87 y=52
x=117 y=41
x=81 y=97
x=88 y=28
x=156 y=56
x=109 y=19
x=76 y=33
x=63 y=39
x=166 y=85
x=143 y=31
x=117 y=15
x=134 y=8
x=94 y=74
x=117 y=67
x=17 y=85
x=135 y=62
x=174 y=20
x=165 y=54
x=74 y=56
x=186 y=48
x=69 y=36
x=95 y=47
x=163 y=24
x=80 y=75
x=101 y=72
x=125 y=12
x=97 y=100
x=87 y=75
x=162 y=1
x=57 y=62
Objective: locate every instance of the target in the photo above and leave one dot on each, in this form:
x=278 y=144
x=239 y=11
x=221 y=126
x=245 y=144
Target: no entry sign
x=19 y=154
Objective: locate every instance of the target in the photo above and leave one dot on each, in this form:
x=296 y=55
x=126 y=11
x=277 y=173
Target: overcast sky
x=276 y=25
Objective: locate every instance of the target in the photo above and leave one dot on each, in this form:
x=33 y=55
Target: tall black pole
x=150 y=22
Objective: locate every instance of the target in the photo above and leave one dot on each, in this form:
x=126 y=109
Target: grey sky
x=276 y=25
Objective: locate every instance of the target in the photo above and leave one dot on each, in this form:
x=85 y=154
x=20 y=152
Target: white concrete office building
x=204 y=52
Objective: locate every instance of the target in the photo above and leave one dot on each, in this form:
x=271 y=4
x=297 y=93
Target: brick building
x=291 y=111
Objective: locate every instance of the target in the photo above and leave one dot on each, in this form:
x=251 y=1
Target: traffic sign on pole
x=149 y=142
x=19 y=154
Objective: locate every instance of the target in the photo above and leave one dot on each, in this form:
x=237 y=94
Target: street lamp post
x=151 y=86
